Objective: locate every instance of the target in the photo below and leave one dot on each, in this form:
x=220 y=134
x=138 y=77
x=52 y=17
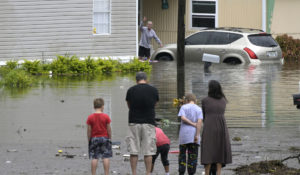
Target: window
x=264 y=40
x=233 y=37
x=203 y=13
x=101 y=21
x=218 y=38
x=200 y=38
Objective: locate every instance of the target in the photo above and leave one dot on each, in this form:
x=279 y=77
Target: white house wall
x=40 y=29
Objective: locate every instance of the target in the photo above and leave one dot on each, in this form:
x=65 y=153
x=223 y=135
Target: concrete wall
x=286 y=18
x=42 y=28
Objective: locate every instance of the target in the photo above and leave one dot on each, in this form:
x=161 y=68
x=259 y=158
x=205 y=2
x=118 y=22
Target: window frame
x=203 y=14
x=109 y=11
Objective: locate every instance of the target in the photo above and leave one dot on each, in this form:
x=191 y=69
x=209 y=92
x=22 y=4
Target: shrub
x=135 y=65
x=11 y=64
x=17 y=78
x=91 y=65
x=106 y=66
x=33 y=67
x=66 y=65
x=60 y=65
x=290 y=47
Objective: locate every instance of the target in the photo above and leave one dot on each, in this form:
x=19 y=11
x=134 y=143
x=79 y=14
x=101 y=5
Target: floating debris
x=115 y=146
x=294 y=149
x=274 y=167
x=236 y=139
x=8 y=162
x=126 y=157
x=12 y=150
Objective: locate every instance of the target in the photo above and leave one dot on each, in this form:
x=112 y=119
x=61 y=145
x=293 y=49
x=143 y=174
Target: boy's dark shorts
x=144 y=52
x=100 y=147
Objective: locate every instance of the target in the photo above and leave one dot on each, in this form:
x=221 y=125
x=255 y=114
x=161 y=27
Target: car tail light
x=251 y=54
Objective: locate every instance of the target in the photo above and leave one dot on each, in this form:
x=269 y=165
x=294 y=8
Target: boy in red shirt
x=163 y=147
x=99 y=136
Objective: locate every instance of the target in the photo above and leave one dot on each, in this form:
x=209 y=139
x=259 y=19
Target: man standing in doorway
x=147 y=33
x=141 y=100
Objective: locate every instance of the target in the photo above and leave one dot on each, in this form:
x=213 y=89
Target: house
x=273 y=16
x=41 y=29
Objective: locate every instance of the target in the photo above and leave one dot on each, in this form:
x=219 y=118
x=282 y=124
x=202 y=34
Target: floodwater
x=259 y=96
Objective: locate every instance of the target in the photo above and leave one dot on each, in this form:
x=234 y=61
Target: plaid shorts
x=100 y=147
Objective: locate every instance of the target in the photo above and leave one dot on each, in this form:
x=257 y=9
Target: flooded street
x=39 y=121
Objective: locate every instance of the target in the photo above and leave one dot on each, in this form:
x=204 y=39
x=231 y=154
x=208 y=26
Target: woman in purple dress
x=215 y=143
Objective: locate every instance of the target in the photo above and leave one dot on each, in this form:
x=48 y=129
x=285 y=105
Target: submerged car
x=232 y=45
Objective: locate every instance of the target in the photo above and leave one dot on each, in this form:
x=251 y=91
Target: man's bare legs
x=106 y=166
x=94 y=166
x=148 y=164
x=134 y=160
x=133 y=163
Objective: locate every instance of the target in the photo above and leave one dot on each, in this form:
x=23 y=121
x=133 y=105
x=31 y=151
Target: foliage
x=20 y=76
x=32 y=67
x=17 y=78
x=290 y=47
x=12 y=64
x=135 y=65
x=73 y=65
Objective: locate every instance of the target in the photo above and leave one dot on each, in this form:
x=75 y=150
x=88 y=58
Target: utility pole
x=180 y=49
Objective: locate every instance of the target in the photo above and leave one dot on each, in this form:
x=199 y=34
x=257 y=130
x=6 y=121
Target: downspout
x=137 y=28
x=264 y=15
x=270 y=10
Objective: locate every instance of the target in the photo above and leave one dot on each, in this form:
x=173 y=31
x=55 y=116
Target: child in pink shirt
x=163 y=147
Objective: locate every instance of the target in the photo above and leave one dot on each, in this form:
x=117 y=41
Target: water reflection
x=259 y=96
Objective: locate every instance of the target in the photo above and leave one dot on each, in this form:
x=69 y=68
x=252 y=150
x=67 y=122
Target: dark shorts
x=144 y=52
x=100 y=147
x=163 y=150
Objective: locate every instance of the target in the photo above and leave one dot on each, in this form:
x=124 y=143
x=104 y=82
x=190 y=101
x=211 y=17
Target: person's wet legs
x=207 y=169
x=94 y=164
x=133 y=163
x=153 y=160
x=106 y=164
x=219 y=166
x=148 y=164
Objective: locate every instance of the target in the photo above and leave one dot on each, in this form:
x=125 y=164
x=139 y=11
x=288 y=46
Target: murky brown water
x=40 y=120
x=258 y=95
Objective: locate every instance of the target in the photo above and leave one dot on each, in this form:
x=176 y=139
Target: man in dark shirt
x=141 y=100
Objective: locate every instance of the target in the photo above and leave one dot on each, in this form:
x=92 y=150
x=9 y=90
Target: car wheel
x=164 y=57
x=232 y=61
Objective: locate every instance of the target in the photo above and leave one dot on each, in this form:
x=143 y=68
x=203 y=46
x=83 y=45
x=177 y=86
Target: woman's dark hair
x=215 y=90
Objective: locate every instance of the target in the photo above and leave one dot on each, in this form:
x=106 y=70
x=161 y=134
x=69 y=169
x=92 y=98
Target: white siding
x=31 y=29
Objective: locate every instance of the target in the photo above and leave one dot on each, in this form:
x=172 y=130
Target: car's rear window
x=264 y=40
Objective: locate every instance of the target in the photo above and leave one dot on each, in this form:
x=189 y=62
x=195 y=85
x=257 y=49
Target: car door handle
x=223 y=51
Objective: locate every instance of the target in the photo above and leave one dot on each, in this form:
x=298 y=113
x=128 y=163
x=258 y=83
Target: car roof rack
x=235 y=29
